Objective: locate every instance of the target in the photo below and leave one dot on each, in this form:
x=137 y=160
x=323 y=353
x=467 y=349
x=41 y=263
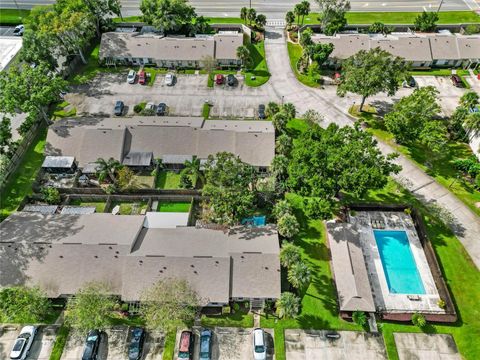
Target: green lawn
x=130 y=208
x=445 y=17
x=259 y=69
x=295 y=53
x=99 y=205
x=224 y=20
x=178 y=206
x=60 y=342
x=438 y=166
x=169 y=180
x=240 y=318
x=20 y=183
x=60 y=111
x=12 y=16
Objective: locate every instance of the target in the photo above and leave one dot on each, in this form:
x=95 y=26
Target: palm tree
x=279 y=121
x=472 y=124
x=251 y=15
x=299 y=275
x=244 y=55
x=305 y=9
x=289 y=110
x=261 y=20
x=283 y=144
x=279 y=166
x=107 y=168
x=193 y=168
x=469 y=100
x=244 y=14
x=288 y=306
x=297 y=11
x=289 y=18
x=289 y=254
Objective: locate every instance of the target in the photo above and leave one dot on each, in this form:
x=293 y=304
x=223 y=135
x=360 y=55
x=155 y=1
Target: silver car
x=131 y=76
x=23 y=343
x=169 y=79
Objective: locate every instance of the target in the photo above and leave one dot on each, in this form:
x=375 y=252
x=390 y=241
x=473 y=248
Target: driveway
x=412 y=346
x=230 y=343
x=313 y=345
x=42 y=345
x=185 y=98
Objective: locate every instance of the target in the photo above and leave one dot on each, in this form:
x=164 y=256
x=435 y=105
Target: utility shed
x=59 y=164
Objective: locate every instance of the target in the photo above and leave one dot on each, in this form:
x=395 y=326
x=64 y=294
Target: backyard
x=170 y=180
x=173 y=206
x=130 y=208
x=99 y=205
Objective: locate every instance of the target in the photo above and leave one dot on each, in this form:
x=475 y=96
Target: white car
x=18 y=31
x=169 y=79
x=23 y=343
x=259 y=345
x=131 y=76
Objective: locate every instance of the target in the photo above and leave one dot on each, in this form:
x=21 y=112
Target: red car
x=142 y=78
x=219 y=79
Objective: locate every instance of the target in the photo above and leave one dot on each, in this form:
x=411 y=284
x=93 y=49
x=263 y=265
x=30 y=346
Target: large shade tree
x=169 y=16
x=332 y=18
x=369 y=72
x=20 y=304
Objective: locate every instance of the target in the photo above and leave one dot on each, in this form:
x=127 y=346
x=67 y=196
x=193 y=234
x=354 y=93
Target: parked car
x=206 y=344
x=19 y=30
x=410 y=82
x=90 y=351
x=219 y=79
x=135 y=348
x=259 y=345
x=142 y=77
x=261 y=111
x=23 y=343
x=185 y=348
x=161 y=109
x=231 y=80
x=131 y=76
x=456 y=81
x=119 y=106
x=169 y=79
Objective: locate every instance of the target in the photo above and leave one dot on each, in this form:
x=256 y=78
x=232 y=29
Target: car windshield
x=92 y=338
x=183 y=355
x=204 y=344
x=259 y=349
x=19 y=344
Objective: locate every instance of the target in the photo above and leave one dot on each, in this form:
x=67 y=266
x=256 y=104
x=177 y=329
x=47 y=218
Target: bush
x=441 y=304
x=139 y=107
x=281 y=208
x=472 y=29
x=236 y=307
x=21 y=304
x=51 y=195
x=317 y=208
x=288 y=226
x=359 y=318
x=185 y=181
x=419 y=320
x=226 y=310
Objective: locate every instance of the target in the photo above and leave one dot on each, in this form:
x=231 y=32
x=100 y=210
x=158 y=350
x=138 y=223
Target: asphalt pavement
x=276 y=9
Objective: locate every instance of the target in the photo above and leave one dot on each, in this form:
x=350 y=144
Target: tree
x=228 y=186
x=379 y=28
x=169 y=16
x=306 y=38
x=297 y=11
x=283 y=144
x=419 y=320
x=359 y=318
x=299 y=275
x=289 y=254
x=434 y=136
x=289 y=110
x=185 y=181
x=251 y=15
x=244 y=55
x=288 y=226
x=456 y=122
x=318 y=208
x=125 y=177
x=411 y=114
x=325 y=162
x=279 y=167
x=281 y=208
x=304 y=9
x=5 y=134
x=469 y=100
x=107 y=168
x=288 y=306
x=29 y=89
x=90 y=308
x=38 y=47
x=103 y=10
x=279 y=121
x=312 y=117
x=272 y=109
x=261 y=20
x=193 y=168
x=244 y=14
x=333 y=15
x=426 y=21
x=369 y=72
x=21 y=304
x=319 y=53
x=51 y=195
x=472 y=124
x=289 y=18
x=168 y=304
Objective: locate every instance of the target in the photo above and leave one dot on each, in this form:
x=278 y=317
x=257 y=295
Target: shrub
x=281 y=208
x=419 y=320
x=288 y=226
x=226 y=310
x=359 y=318
x=236 y=307
x=472 y=29
x=124 y=307
x=317 y=208
x=441 y=303
x=185 y=181
x=51 y=195
x=139 y=107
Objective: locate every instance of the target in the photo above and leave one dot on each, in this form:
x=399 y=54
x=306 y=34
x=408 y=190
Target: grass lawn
x=169 y=180
x=440 y=167
x=12 y=16
x=206 y=111
x=259 y=68
x=224 y=20
x=99 y=205
x=431 y=72
x=295 y=53
x=178 y=206
x=60 y=342
x=20 y=183
x=445 y=17
x=169 y=348
x=240 y=318
x=60 y=111
x=130 y=208
x=143 y=182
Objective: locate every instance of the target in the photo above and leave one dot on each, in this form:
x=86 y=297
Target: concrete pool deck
x=367 y=221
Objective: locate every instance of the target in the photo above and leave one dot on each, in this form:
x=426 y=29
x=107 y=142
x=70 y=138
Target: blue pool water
x=398 y=263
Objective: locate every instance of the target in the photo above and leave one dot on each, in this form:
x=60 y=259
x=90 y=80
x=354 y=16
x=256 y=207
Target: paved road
x=464 y=223
x=276 y=9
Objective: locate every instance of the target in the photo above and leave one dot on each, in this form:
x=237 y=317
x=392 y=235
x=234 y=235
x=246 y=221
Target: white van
x=259 y=345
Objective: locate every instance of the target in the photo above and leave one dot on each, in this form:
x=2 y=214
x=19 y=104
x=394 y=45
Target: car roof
x=258 y=336
x=185 y=341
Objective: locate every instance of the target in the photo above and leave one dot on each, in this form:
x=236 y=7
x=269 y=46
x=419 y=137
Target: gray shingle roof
x=138 y=158
x=64 y=162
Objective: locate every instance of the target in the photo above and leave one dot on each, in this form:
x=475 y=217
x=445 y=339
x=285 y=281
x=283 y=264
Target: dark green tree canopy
x=319 y=53
x=169 y=16
x=426 y=21
x=328 y=161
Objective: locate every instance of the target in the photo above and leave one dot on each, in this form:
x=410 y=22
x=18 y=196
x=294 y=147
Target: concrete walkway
x=464 y=223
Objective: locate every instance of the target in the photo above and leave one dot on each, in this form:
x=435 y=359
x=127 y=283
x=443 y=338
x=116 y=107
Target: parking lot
x=314 y=345
x=231 y=343
x=42 y=345
x=114 y=345
x=449 y=94
x=6 y=30
x=185 y=98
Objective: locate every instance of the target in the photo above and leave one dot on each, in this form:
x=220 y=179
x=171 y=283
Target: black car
x=135 y=348
x=231 y=80
x=90 y=351
x=206 y=344
x=261 y=111
x=411 y=81
x=161 y=109
x=119 y=106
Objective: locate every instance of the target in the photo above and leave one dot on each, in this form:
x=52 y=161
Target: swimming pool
x=398 y=263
